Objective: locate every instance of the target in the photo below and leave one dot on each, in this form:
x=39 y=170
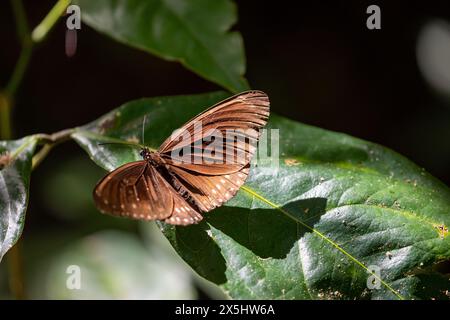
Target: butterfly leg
x=140 y=174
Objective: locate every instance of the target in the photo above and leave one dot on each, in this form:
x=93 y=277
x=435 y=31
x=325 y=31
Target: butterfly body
x=152 y=158
x=183 y=178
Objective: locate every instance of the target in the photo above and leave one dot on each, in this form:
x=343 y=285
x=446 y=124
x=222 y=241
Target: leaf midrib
x=321 y=235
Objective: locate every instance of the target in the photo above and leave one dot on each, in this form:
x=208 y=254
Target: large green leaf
x=193 y=32
x=15 y=170
x=311 y=227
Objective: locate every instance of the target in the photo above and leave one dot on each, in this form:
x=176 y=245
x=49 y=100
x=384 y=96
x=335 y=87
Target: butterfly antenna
x=123 y=143
x=143 y=129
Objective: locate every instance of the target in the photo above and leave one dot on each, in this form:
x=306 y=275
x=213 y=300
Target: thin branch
x=49 y=141
x=40 y=155
x=19 y=70
x=5 y=116
x=43 y=28
x=26 y=44
x=55 y=138
x=23 y=31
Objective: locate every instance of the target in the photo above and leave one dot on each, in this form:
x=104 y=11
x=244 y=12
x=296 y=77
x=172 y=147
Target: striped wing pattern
x=137 y=190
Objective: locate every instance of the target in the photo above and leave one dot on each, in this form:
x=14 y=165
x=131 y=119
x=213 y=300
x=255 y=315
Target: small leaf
x=15 y=170
x=310 y=228
x=195 y=33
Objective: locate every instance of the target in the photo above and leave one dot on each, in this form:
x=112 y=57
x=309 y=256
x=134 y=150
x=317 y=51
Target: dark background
x=317 y=61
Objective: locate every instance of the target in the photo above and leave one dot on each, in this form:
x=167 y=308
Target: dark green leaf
x=193 y=32
x=311 y=227
x=15 y=170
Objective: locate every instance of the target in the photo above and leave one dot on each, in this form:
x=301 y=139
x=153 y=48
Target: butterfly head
x=146 y=154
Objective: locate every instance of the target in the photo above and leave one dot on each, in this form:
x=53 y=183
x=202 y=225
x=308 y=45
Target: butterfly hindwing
x=210 y=192
x=183 y=213
x=137 y=190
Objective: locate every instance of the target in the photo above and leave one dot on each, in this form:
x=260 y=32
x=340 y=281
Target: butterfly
x=186 y=176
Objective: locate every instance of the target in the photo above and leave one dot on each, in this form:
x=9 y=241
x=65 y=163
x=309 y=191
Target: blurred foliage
x=433 y=52
x=74 y=200
x=113 y=265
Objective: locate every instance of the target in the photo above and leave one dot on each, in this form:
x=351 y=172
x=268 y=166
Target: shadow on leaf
x=268 y=233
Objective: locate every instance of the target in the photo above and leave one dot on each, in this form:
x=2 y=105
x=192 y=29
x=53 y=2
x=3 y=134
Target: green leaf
x=15 y=170
x=311 y=227
x=193 y=32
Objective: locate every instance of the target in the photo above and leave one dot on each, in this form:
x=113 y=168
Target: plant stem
x=39 y=156
x=5 y=115
x=50 y=141
x=26 y=44
x=56 y=137
x=43 y=28
x=19 y=70
x=21 y=20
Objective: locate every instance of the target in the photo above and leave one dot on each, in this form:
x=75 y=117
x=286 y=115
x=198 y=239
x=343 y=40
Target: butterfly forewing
x=237 y=120
x=211 y=184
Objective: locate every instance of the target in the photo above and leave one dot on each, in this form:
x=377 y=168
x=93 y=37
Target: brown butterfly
x=164 y=186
